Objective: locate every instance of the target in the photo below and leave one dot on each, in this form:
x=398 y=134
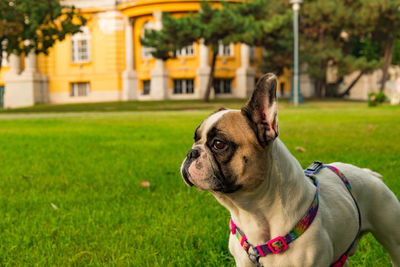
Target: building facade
x=106 y=61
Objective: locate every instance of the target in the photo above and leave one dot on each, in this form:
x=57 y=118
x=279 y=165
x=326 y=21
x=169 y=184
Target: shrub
x=375 y=99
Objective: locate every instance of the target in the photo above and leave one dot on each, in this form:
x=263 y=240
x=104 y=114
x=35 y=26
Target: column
x=30 y=63
x=245 y=74
x=34 y=84
x=129 y=76
x=15 y=64
x=306 y=84
x=203 y=72
x=27 y=88
x=159 y=75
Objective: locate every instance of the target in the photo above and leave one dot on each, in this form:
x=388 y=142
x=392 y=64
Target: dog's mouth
x=185 y=175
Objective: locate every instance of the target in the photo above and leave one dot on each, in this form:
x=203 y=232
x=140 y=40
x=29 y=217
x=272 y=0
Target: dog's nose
x=193 y=154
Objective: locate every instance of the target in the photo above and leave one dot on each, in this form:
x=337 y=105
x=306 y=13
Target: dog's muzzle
x=191 y=156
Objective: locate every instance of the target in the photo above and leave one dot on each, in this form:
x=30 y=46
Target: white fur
x=209 y=123
x=285 y=196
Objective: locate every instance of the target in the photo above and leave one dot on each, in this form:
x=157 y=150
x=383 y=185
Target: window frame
x=187 y=51
x=146 y=91
x=75 y=90
x=221 y=86
x=76 y=46
x=183 y=86
x=222 y=49
x=253 y=51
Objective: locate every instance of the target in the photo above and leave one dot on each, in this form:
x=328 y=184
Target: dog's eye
x=219 y=145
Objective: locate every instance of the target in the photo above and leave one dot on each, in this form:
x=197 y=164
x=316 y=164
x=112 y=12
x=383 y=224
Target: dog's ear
x=262 y=109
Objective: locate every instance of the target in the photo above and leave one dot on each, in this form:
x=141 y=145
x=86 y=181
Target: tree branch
x=352 y=84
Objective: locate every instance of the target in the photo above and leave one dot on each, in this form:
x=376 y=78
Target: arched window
x=80 y=46
x=146 y=51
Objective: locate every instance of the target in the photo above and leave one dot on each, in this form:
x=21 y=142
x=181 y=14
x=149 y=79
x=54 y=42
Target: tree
x=266 y=23
x=340 y=35
x=349 y=35
x=386 y=17
x=214 y=24
x=331 y=30
x=332 y=37
x=27 y=25
x=175 y=34
x=396 y=52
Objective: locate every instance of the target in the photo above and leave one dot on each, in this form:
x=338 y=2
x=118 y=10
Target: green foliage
x=90 y=167
x=267 y=23
x=328 y=38
x=220 y=25
x=27 y=25
x=343 y=35
x=396 y=52
x=375 y=99
x=348 y=35
x=212 y=24
x=175 y=34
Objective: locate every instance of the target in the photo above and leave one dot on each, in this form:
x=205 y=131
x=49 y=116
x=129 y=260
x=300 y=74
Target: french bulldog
x=238 y=157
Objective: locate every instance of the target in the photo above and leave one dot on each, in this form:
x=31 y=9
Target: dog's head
x=230 y=146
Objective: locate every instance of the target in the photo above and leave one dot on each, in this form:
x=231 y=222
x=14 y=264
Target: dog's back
x=380 y=208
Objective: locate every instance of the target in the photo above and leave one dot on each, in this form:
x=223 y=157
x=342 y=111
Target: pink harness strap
x=340 y=262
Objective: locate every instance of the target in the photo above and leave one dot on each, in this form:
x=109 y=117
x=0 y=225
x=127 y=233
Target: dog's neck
x=275 y=207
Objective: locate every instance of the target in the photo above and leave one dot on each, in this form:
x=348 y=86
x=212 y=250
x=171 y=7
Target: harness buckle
x=314 y=168
x=254 y=258
x=277 y=245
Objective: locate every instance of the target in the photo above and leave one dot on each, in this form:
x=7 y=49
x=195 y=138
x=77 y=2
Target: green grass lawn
x=70 y=192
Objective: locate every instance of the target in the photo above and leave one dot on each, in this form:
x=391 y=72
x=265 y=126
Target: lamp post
x=296 y=97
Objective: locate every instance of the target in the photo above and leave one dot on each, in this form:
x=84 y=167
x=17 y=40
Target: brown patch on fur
x=235 y=125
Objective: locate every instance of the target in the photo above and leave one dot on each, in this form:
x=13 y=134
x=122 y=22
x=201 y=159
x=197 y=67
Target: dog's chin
x=226 y=188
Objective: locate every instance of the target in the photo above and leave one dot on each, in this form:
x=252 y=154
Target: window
x=146 y=51
x=80 y=46
x=183 y=86
x=225 y=50
x=282 y=89
x=252 y=51
x=80 y=89
x=187 y=51
x=146 y=87
x=223 y=86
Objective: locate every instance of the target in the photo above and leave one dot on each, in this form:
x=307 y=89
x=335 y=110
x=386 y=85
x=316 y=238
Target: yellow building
x=106 y=62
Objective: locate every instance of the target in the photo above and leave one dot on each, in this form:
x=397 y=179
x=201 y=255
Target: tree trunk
x=347 y=91
x=319 y=84
x=389 y=48
x=206 y=97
